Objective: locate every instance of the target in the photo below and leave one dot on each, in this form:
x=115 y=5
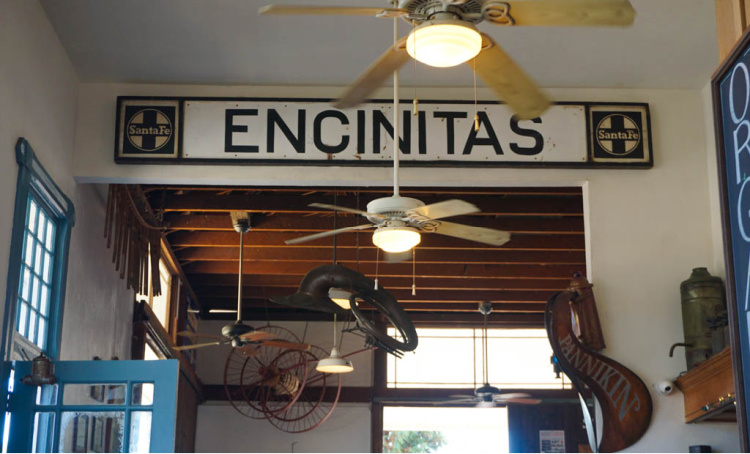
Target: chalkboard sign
x=731 y=99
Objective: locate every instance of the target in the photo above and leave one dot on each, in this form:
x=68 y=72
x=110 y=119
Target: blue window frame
x=35 y=289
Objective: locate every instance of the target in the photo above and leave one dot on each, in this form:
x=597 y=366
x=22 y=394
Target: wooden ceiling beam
x=394 y=269
x=296 y=203
x=317 y=255
x=206 y=282
x=319 y=223
x=402 y=295
x=349 y=239
x=429 y=305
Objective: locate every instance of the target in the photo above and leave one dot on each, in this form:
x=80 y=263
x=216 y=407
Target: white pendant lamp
x=334 y=364
x=444 y=42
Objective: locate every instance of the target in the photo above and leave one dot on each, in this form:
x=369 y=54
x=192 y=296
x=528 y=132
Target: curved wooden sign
x=623 y=397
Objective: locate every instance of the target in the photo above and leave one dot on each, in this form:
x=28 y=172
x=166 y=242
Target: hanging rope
x=135 y=241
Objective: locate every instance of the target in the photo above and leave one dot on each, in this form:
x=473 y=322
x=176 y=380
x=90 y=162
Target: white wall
x=38 y=101
x=648 y=228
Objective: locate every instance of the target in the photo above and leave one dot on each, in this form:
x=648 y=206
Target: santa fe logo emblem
x=619 y=136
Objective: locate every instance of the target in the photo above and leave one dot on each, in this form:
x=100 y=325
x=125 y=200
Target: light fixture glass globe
x=334 y=364
x=340 y=297
x=444 y=43
x=396 y=239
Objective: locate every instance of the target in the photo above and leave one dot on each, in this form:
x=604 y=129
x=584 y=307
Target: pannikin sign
x=268 y=131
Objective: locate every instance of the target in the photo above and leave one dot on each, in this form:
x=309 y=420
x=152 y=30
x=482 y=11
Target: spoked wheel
x=260 y=382
x=316 y=401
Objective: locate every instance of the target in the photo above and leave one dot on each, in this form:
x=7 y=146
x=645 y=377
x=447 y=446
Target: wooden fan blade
x=256 y=336
x=509 y=81
x=288 y=10
x=507 y=396
x=445 y=209
x=191 y=335
x=248 y=350
x=285 y=344
x=194 y=346
x=348 y=210
x=394 y=58
x=478 y=234
x=578 y=13
x=315 y=236
x=522 y=401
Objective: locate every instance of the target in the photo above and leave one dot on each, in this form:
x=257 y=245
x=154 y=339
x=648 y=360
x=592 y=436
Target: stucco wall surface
x=38 y=101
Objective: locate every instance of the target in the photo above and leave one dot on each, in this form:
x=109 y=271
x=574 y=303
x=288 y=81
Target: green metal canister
x=702 y=300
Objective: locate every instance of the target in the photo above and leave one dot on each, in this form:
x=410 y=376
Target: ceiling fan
x=238 y=334
x=445 y=35
x=487 y=395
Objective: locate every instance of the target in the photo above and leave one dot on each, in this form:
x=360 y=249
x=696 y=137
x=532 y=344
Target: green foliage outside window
x=412 y=441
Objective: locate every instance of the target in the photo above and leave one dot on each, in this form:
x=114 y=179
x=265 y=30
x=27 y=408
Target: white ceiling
x=671 y=45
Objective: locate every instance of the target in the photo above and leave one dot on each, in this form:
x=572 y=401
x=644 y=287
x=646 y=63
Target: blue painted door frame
x=164 y=374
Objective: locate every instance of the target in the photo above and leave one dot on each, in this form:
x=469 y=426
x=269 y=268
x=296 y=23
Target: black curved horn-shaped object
x=313 y=295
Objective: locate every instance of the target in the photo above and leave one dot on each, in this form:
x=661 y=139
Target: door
x=96 y=406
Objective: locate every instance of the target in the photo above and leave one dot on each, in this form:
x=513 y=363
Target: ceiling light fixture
x=444 y=42
x=396 y=238
x=340 y=297
x=335 y=363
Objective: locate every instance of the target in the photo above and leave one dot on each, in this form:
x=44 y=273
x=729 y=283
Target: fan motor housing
x=467 y=10
x=393 y=206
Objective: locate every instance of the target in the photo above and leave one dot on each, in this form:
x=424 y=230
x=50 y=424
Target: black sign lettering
x=450 y=128
x=491 y=139
x=534 y=134
x=298 y=141
x=318 y=132
x=230 y=128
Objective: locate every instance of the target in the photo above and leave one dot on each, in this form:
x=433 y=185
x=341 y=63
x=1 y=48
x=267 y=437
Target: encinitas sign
x=311 y=132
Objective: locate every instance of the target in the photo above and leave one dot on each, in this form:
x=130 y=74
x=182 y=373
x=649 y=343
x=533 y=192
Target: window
x=42 y=219
x=517 y=358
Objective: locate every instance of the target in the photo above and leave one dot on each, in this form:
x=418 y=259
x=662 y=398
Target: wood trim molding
x=731 y=22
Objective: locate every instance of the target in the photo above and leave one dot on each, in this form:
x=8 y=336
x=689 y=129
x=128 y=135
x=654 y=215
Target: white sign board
x=272 y=131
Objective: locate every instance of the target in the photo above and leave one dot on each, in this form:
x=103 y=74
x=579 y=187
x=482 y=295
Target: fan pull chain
x=413 y=271
x=377 y=263
x=416 y=100
x=476 y=112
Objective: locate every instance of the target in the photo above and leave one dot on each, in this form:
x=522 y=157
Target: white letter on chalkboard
x=737 y=118
x=739 y=148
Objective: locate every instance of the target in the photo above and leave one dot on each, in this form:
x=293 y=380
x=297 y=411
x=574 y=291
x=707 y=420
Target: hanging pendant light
x=335 y=363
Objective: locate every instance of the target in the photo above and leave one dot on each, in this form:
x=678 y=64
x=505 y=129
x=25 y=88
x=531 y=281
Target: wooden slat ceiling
x=452 y=275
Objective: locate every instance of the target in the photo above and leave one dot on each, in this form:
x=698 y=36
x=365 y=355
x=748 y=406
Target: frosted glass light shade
x=444 y=43
x=396 y=239
x=340 y=297
x=334 y=364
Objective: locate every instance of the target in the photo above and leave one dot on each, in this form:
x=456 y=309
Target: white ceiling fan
x=445 y=35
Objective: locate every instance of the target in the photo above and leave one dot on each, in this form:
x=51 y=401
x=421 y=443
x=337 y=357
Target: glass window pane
x=94 y=394
x=41 y=339
x=91 y=431
x=35 y=293
x=43 y=432
x=143 y=394
x=28 y=249
x=38 y=259
x=23 y=315
x=26 y=286
x=46 y=395
x=50 y=242
x=33 y=209
x=44 y=300
x=47 y=267
x=140 y=431
x=40 y=230
x=31 y=333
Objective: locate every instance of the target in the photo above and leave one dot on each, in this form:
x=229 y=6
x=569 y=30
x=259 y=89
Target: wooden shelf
x=708 y=390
